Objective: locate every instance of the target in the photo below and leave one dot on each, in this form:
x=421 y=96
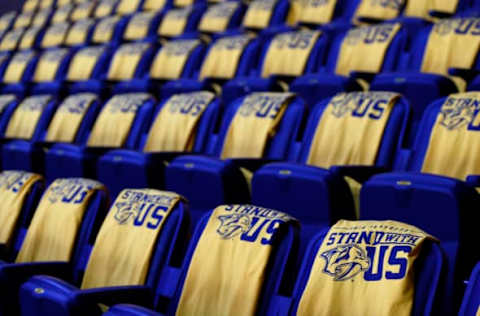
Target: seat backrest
x=105 y=8
x=316 y=13
x=67 y=218
x=227 y=237
x=268 y=123
x=342 y=261
x=471 y=300
x=142 y=25
x=128 y=6
x=7 y=19
x=5 y=58
x=80 y=32
x=24 y=19
x=221 y=17
x=31 y=118
x=261 y=14
x=55 y=35
x=42 y=18
x=151 y=225
x=62 y=14
x=21 y=67
x=429 y=10
x=31 y=38
x=8 y=105
x=52 y=65
x=11 y=39
x=293 y=54
x=378 y=118
x=82 y=11
x=377 y=11
x=155 y=5
x=121 y=121
x=177 y=21
x=372 y=49
x=109 y=30
x=131 y=60
x=88 y=63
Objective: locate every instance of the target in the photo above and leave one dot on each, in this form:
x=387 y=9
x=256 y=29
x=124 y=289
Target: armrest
x=367 y=76
x=138 y=295
x=359 y=173
x=473 y=180
x=466 y=74
x=23 y=271
x=251 y=164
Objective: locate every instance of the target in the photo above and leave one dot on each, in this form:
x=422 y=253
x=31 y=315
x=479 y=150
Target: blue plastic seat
x=439 y=201
x=90 y=200
x=105 y=8
x=128 y=6
x=108 y=133
x=55 y=35
x=164 y=217
x=43 y=17
x=109 y=30
x=428 y=279
x=11 y=39
x=471 y=301
x=19 y=72
x=7 y=20
x=23 y=19
x=282 y=239
x=222 y=16
x=31 y=38
x=119 y=169
x=170 y=25
x=80 y=33
x=142 y=26
x=262 y=14
x=63 y=13
x=82 y=11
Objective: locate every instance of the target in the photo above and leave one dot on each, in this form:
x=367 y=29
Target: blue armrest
x=359 y=173
x=473 y=180
x=139 y=295
x=466 y=74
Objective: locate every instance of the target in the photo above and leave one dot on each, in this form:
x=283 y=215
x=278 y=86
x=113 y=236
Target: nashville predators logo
x=457 y=115
x=233 y=225
x=342 y=105
x=345 y=262
x=125 y=212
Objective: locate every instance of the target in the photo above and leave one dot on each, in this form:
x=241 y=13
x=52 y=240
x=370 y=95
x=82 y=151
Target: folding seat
x=7 y=20
x=23 y=19
x=325 y=13
x=43 y=4
x=142 y=25
x=19 y=71
x=55 y=35
x=31 y=38
x=226 y=57
x=11 y=39
x=433 y=194
x=128 y=6
x=80 y=33
x=435 y=55
x=8 y=104
x=109 y=30
x=219 y=275
x=129 y=61
x=83 y=11
x=120 y=123
x=177 y=60
x=180 y=124
x=105 y=8
x=221 y=17
x=367 y=268
x=152 y=228
x=69 y=124
x=178 y=21
x=155 y=5
x=429 y=10
x=66 y=219
x=471 y=303
x=30 y=5
x=27 y=124
x=62 y=14
x=42 y=18
x=262 y=14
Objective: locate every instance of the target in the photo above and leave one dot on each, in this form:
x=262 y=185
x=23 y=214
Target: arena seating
x=262 y=157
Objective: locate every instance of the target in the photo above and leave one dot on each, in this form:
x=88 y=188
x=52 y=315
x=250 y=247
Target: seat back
x=221 y=17
x=109 y=30
x=55 y=35
x=24 y=19
x=105 y=8
x=52 y=65
x=312 y=14
x=142 y=25
x=11 y=39
x=178 y=21
x=62 y=14
x=262 y=14
x=80 y=33
x=82 y=11
x=130 y=61
x=20 y=68
x=89 y=62
x=31 y=38
x=471 y=304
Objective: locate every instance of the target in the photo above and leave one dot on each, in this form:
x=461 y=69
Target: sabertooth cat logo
x=345 y=262
x=233 y=225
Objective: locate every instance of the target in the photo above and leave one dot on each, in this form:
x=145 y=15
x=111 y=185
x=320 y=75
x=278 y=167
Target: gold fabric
x=126 y=241
x=288 y=53
x=364 y=48
x=183 y=3
x=422 y=8
x=113 y=124
x=30 y=5
x=254 y=123
x=25 y=118
x=223 y=57
x=153 y=5
x=77 y=34
x=217 y=17
x=57 y=220
x=230 y=262
x=48 y=65
x=43 y=4
x=259 y=13
x=68 y=117
x=137 y=27
x=28 y=38
x=82 y=11
x=105 y=8
x=11 y=39
x=351 y=129
x=311 y=11
x=23 y=20
x=14 y=189
x=360 y=262
x=125 y=61
x=127 y=6
x=171 y=59
x=6 y=19
x=176 y=124
x=84 y=62
x=104 y=30
x=41 y=17
x=63 y=13
x=17 y=66
x=453 y=147
x=55 y=35
x=174 y=22
x=378 y=10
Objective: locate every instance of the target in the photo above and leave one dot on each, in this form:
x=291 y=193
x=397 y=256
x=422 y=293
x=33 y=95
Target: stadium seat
x=341 y=264
x=105 y=8
x=83 y=11
x=80 y=33
x=23 y=19
x=128 y=6
x=180 y=124
x=66 y=219
x=262 y=14
x=226 y=58
x=433 y=194
x=178 y=21
x=42 y=18
x=142 y=26
x=221 y=17
x=109 y=30
x=27 y=125
x=31 y=38
x=308 y=13
x=4 y=60
x=155 y=5
x=471 y=303
x=11 y=39
x=18 y=72
x=7 y=19
x=229 y=237
x=62 y=14
x=55 y=35
x=151 y=226
x=120 y=123
x=178 y=61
